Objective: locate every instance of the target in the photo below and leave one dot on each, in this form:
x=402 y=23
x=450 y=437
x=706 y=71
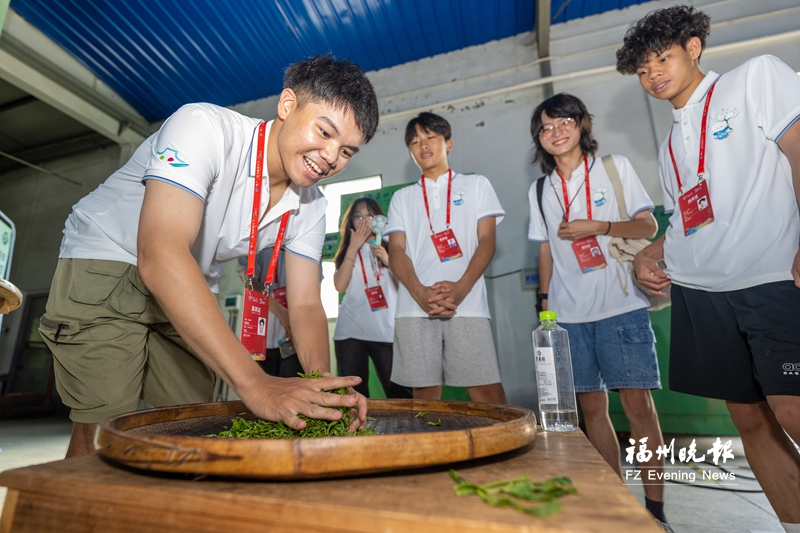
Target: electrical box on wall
x=232 y=307
x=530 y=278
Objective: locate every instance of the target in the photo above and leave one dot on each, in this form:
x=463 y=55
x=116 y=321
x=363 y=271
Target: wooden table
x=86 y=494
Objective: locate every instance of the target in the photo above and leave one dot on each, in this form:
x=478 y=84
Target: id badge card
x=590 y=256
x=377 y=300
x=696 y=210
x=446 y=245
x=279 y=293
x=254 y=324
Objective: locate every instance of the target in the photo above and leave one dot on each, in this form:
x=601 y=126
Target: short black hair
x=340 y=83
x=658 y=31
x=428 y=122
x=562 y=105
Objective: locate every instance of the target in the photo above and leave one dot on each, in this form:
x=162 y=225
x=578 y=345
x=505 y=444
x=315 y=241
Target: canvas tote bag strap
x=613 y=174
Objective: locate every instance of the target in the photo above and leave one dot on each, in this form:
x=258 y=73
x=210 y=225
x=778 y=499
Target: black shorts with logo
x=738 y=345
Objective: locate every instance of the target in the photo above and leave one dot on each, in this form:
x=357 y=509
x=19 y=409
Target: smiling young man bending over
x=132 y=314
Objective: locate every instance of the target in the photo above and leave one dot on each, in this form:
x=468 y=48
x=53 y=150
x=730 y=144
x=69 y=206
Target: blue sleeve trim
x=668 y=212
x=795 y=119
x=646 y=208
x=393 y=231
x=178 y=185
x=503 y=215
x=317 y=261
x=538 y=240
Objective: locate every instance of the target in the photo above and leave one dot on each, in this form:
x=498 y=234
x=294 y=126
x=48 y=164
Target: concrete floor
x=690 y=508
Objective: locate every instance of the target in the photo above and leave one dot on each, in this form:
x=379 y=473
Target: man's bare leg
x=428 y=393
x=82 y=440
x=492 y=393
x=599 y=429
x=641 y=412
x=772 y=457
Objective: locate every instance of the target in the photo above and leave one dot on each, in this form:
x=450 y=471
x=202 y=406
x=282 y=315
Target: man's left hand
x=580 y=229
x=796 y=269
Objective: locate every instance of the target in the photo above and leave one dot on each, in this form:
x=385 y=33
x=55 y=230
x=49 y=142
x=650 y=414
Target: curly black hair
x=340 y=83
x=658 y=31
x=562 y=105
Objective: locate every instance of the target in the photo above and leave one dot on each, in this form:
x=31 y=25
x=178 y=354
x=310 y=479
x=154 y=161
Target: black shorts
x=738 y=345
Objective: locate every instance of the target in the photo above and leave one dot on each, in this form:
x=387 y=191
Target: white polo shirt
x=472 y=199
x=756 y=231
x=574 y=296
x=356 y=319
x=209 y=151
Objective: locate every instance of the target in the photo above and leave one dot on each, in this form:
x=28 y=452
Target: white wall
x=487 y=92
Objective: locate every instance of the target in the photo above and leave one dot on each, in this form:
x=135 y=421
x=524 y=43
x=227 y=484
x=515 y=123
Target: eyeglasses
x=565 y=124
x=359 y=218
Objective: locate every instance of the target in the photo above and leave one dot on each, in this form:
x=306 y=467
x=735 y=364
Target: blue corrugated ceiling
x=161 y=54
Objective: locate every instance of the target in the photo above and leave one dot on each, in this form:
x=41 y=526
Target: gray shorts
x=458 y=352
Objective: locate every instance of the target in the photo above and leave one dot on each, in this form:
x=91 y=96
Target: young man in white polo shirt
x=132 y=314
x=733 y=259
x=441 y=238
x=611 y=341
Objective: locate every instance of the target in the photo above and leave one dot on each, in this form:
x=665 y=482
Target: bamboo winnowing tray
x=170 y=439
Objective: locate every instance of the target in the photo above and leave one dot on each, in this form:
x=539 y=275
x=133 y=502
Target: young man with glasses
x=441 y=239
x=730 y=173
x=611 y=341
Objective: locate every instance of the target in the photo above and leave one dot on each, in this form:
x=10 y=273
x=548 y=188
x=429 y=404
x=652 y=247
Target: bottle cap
x=547 y=315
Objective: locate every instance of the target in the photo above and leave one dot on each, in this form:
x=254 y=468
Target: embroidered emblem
x=170 y=155
x=599 y=197
x=458 y=197
x=722 y=123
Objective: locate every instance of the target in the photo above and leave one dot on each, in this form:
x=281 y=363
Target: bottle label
x=546 y=376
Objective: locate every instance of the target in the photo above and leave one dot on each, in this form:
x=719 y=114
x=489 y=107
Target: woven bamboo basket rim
x=485 y=430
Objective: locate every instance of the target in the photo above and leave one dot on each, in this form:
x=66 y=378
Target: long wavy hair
x=347 y=224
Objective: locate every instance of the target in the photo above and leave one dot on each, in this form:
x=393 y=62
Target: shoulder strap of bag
x=539 y=194
x=613 y=174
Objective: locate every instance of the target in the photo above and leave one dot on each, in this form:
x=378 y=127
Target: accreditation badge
x=279 y=293
x=590 y=256
x=377 y=300
x=696 y=210
x=446 y=245
x=254 y=323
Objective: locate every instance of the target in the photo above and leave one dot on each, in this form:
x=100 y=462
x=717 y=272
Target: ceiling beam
x=543 y=8
x=50 y=92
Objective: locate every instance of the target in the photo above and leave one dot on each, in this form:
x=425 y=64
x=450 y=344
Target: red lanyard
x=364 y=272
x=585 y=184
x=251 y=250
x=701 y=163
x=425 y=197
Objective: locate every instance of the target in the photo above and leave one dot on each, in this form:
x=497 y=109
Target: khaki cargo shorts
x=112 y=344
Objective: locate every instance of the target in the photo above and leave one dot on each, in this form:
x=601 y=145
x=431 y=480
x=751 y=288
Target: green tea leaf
x=421 y=414
x=437 y=423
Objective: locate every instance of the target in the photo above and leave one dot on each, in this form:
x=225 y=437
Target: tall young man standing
x=441 y=239
x=611 y=341
x=131 y=313
x=732 y=259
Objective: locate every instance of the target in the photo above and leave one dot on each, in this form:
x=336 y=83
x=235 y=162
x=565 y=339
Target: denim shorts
x=614 y=353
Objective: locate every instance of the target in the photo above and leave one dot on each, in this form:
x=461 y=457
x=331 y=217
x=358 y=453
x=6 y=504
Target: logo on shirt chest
x=458 y=197
x=721 y=123
x=170 y=155
x=599 y=196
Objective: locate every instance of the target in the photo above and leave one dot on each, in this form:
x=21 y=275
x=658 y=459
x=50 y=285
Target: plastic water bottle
x=557 y=407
